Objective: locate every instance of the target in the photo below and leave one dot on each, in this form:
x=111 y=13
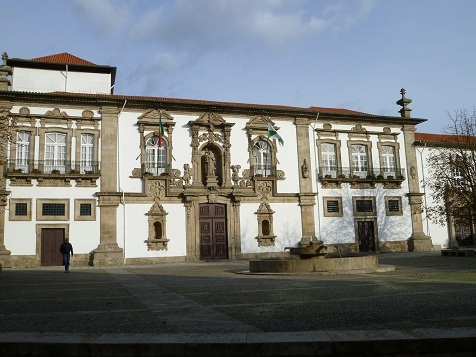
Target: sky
x=353 y=54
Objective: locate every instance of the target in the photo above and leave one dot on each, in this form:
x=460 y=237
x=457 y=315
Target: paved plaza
x=217 y=303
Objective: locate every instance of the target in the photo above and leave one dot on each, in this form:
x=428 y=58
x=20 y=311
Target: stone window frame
x=13 y=202
x=273 y=151
x=77 y=154
x=337 y=146
x=168 y=151
x=41 y=217
x=387 y=209
x=396 y=148
x=77 y=210
x=368 y=144
x=360 y=214
x=326 y=199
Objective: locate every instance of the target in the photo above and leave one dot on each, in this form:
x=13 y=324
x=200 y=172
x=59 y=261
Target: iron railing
x=52 y=167
x=363 y=173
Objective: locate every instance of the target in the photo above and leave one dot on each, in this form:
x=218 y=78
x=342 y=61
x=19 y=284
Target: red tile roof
x=63 y=58
x=441 y=138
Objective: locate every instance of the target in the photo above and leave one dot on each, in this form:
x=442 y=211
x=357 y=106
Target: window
x=22 y=160
x=359 y=160
x=84 y=209
x=20 y=209
x=393 y=206
x=55 y=152
x=364 y=206
x=156 y=157
x=52 y=209
x=332 y=206
x=328 y=160
x=262 y=164
x=388 y=160
x=87 y=152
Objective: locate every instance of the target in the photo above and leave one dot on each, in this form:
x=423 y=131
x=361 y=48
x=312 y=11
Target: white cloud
x=108 y=16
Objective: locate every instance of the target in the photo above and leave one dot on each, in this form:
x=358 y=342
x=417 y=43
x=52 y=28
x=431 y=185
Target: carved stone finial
x=4 y=58
x=405 y=111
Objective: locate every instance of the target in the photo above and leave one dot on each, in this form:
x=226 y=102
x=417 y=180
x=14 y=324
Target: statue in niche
x=305 y=169
x=235 y=174
x=186 y=174
x=210 y=165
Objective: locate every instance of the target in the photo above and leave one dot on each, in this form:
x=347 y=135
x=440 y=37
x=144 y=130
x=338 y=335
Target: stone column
x=307 y=199
x=5 y=255
x=418 y=241
x=108 y=252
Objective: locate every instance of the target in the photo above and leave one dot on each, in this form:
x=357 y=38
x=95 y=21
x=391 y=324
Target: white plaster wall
x=41 y=80
x=286 y=227
x=20 y=236
x=439 y=233
x=136 y=231
x=129 y=152
x=288 y=158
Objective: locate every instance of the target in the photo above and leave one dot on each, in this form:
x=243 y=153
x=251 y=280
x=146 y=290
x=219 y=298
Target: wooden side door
x=366 y=236
x=51 y=239
x=213 y=237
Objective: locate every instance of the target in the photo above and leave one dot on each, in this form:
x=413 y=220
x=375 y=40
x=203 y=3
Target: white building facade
x=140 y=180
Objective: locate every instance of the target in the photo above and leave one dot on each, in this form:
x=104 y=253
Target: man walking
x=66 y=249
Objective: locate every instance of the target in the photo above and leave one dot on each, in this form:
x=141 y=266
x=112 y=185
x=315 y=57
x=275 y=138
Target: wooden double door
x=366 y=236
x=51 y=240
x=213 y=235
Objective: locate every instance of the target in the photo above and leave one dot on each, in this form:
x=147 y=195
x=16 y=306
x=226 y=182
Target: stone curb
x=417 y=342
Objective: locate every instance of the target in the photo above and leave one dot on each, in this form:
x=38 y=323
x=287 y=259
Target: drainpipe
x=123 y=202
x=316 y=175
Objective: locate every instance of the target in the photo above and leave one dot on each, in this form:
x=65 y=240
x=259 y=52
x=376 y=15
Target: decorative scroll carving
x=155 y=188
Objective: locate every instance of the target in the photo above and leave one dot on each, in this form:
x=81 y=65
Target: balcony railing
x=156 y=169
x=60 y=167
x=348 y=173
x=263 y=170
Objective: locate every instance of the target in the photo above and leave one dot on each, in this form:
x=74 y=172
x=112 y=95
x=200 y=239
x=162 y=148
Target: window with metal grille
x=364 y=206
x=393 y=205
x=53 y=209
x=85 y=209
x=333 y=206
x=21 y=209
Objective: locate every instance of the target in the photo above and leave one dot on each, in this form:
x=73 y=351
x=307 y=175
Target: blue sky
x=354 y=54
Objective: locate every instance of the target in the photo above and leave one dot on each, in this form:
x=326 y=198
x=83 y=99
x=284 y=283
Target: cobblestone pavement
x=426 y=290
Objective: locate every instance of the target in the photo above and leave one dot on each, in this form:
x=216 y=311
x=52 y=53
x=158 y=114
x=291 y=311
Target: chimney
x=404 y=112
x=5 y=72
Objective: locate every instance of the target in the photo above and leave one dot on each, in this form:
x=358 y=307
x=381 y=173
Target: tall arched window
x=87 y=152
x=262 y=164
x=388 y=160
x=23 y=151
x=328 y=157
x=55 y=152
x=156 y=157
x=359 y=160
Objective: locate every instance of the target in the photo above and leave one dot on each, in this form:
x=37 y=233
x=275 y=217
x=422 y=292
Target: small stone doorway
x=51 y=240
x=366 y=236
x=213 y=235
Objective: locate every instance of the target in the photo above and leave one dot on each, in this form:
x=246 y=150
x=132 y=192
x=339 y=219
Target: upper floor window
x=359 y=160
x=87 y=152
x=156 y=157
x=262 y=163
x=22 y=159
x=388 y=160
x=55 y=152
x=328 y=159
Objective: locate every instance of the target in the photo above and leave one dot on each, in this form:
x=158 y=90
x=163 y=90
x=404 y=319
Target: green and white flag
x=273 y=134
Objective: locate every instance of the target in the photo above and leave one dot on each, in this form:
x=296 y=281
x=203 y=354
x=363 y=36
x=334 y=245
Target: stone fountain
x=312 y=256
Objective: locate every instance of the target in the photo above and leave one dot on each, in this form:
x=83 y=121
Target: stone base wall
x=155 y=260
x=395 y=246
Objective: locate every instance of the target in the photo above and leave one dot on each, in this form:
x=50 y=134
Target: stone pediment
x=153 y=115
x=210 y=118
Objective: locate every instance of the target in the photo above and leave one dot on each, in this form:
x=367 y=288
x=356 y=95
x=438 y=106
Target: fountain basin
x=324 y=265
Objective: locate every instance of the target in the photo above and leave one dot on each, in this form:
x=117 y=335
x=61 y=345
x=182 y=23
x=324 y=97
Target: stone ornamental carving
x=155 y=188
x=264 y=189
x=266 y=237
